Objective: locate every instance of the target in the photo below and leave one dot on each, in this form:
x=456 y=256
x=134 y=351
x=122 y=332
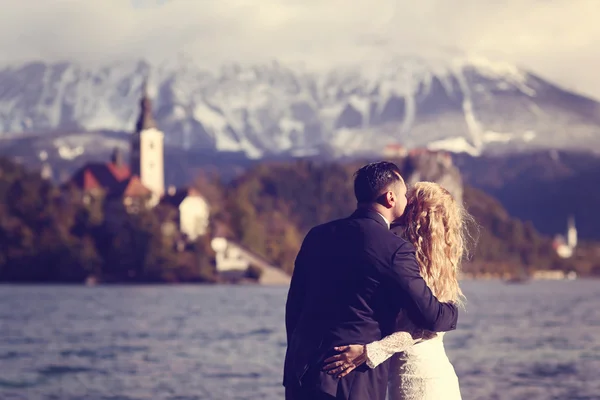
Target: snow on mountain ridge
x=459 y=104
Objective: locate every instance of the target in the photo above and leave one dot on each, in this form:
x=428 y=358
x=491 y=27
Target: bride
x=420 y=370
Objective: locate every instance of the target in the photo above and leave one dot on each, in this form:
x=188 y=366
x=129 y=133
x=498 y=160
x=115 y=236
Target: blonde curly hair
x=436 y=224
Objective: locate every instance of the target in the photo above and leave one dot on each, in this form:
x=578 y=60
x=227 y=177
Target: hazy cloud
x=557 y=38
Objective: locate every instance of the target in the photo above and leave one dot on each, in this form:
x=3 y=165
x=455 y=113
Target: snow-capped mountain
x=463 y=105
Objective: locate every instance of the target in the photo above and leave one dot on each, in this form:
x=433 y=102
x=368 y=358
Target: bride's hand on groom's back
x=349 y=358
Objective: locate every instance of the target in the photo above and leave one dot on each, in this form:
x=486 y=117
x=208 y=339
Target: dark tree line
x=48 y=234
x=272 y=206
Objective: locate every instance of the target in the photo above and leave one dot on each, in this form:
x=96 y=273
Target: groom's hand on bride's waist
x=349 y=358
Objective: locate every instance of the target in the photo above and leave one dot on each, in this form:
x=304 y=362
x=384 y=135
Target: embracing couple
x=372 y=295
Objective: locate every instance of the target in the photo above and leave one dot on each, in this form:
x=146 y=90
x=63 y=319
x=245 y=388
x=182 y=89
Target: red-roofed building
x=443 y=156
x=395 y=151
x=111 y=180
x=419 y=151
x=140 y=185
x=101 y=176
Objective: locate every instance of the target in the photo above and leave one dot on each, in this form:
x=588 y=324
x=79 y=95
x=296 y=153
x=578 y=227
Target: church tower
x=147 y=150
x=571 y=233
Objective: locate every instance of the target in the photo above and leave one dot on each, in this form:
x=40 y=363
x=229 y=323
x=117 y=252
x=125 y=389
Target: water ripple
x=535 y=341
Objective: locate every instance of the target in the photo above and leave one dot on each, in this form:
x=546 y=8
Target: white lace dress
x=419 y=369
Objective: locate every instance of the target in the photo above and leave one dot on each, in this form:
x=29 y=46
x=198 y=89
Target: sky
x=558 y=39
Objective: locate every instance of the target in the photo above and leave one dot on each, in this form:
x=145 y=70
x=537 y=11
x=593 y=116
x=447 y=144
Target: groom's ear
x=390 y=199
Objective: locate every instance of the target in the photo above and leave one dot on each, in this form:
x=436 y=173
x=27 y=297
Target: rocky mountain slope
x=463 y=104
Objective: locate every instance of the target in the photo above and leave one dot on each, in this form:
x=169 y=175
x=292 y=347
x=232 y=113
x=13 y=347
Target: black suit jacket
x=351 y=278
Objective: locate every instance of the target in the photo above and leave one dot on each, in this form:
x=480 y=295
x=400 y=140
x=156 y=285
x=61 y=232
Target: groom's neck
x=378 y=208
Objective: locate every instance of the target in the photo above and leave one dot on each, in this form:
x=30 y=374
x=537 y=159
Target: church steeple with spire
x=145 y=119
x=147 y=148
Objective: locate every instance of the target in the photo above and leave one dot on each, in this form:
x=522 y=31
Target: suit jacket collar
x=370 y=214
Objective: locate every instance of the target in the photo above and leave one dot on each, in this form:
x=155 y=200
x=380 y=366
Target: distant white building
x=46 y=171
x=193 y=211
x=554 y=275
x=565 y=247
x=230 y=258
x=395 y=151
x=571 y=233
x=234 y=261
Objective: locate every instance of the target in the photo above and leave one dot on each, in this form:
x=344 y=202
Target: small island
x=115 y=222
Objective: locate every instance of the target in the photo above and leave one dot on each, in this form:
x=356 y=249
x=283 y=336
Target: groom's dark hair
x=371 y=180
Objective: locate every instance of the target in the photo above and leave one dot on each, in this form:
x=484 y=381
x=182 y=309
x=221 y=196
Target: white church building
x=147 y=151
x=141 y=184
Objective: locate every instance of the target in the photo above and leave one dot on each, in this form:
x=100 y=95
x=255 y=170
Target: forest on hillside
x=272 y=206
x=48 y=234
x=545 y=187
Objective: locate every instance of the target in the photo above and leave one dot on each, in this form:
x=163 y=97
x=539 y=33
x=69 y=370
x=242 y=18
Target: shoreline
x=253 y=284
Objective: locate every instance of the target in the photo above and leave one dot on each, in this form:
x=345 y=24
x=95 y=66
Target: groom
x=351 y=279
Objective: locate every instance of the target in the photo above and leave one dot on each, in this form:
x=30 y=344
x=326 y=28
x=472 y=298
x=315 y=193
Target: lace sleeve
x=381 y=350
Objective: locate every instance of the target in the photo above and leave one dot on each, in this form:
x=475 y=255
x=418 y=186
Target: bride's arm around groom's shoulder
x=423 y=308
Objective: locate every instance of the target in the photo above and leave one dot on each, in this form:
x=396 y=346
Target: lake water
x=531 y=341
